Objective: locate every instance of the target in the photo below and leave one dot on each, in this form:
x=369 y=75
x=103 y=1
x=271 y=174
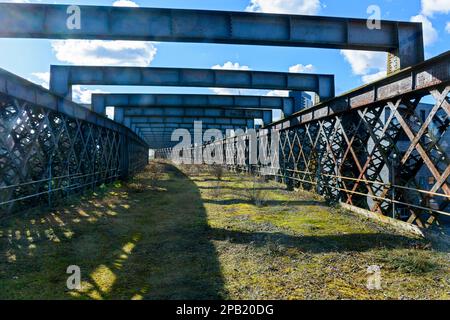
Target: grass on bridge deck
x=188 y=236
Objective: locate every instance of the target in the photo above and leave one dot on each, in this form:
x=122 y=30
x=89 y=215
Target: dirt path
x=191 y=237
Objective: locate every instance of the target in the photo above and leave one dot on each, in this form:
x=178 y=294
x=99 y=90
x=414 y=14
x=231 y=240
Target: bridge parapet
x=51 y=147
x=383 y=147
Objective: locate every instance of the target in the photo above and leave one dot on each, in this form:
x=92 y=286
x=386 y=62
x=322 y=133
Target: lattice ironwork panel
x=392 y=157
x=46 y=155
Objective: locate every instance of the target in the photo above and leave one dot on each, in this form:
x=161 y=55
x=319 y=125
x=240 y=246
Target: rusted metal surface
x=372 y=147
x=50 y=147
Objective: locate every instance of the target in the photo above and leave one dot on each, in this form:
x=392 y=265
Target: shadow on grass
x=242 y=188
x=266 y=203
x=146 y=245
x=315 y=244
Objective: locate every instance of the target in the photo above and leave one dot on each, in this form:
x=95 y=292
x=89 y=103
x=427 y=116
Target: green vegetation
x=180 y=233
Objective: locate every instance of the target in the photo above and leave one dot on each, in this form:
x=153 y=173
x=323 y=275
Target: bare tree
x=217 y=171
x=255 y=192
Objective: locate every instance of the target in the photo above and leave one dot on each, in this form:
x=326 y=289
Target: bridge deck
x=190 y=236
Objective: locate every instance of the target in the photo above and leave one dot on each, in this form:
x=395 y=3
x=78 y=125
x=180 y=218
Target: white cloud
x=430 y=34
x=285 y=6
x=125 y=3
x=110 y=112
x=98 y=52
x=369 y=65
x=373 y=77
x=231 y=66
x=447 y=27
x=239 y=92
x=364 y=62
x=300 y=68
x=278 y=93
x=41 y=78
x=276 y=115
x=83 y=95
x=430 y=7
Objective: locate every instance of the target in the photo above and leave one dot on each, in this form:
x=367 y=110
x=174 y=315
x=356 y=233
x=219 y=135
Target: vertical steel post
x=393 y=163
x=125 y=150
x=50 y=183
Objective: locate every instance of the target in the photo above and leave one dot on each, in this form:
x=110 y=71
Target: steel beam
x=188 y=125
x=161 y=132
x=164 y=135
x=169 y=133
x=227 y=118
x=403 y=39
x=145 y=130
x=63 y=77
x=101 y=101
x=191 y=112
x=157 y=133
x=181 y=120
x=173 y=126
x=121 y=118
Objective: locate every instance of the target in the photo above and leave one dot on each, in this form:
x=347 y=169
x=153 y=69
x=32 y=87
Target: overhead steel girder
x=173 y=126
x=63 y=77
x=141 y=128
x=402 y=39
x=169 y=136
x=191 y=112
x=160 y=132
x=166 y=135
x=177 y=125
x=164 y=132
x=136 y=125
x=169 y=133
x=121 y=116
x=170 y=130
x=101 y=101
x=231 y=121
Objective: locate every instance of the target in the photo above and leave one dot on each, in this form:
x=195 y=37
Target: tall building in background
x=302 y=100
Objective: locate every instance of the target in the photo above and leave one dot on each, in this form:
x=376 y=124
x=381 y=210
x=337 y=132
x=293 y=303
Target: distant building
x=302 y=100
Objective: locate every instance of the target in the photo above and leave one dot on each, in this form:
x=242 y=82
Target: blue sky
x=31 y=58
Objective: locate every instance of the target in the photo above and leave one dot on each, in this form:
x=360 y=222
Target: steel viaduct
x=364 y=148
